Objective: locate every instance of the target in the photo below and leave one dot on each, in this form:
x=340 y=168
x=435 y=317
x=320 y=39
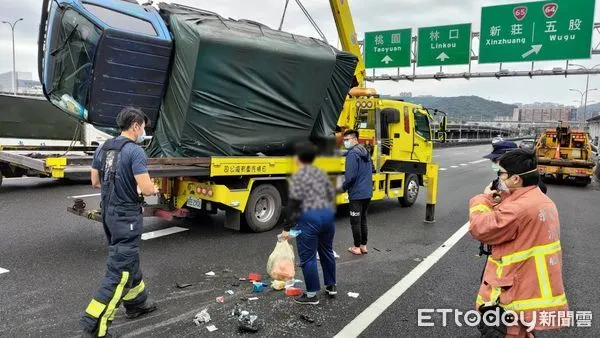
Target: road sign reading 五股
x=536 y=31
x=444 y=45
x=388 y=48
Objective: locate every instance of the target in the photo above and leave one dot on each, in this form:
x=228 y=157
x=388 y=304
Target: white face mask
x=502 y=186
x=495 y=167
x=142 y=137
x=348 y=144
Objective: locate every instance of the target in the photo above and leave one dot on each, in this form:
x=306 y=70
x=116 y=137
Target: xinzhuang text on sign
x=537 y=31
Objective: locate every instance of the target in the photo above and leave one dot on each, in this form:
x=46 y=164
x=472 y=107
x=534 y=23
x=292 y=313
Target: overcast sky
x=369 y=15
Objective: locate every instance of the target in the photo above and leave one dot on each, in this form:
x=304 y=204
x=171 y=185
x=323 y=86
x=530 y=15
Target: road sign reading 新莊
x=537 y=31
x=387 y=49
x=444 y=45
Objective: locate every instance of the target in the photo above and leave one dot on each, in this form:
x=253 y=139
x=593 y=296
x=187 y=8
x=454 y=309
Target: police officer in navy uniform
x=120 y=170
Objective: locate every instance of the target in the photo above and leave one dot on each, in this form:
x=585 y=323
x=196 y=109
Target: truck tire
x=411 y=191
x=263 y=209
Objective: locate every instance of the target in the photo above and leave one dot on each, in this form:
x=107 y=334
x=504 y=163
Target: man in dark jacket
x=359 y=185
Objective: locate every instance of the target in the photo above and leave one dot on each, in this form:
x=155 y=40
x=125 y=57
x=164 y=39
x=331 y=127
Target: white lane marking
x=2 y=270
x=443 y=169
x=438 y=155
x=454 y=166
x=368 y=316
x=479 y=161
x=163 y=232
x=84 y=196
x=463 y=164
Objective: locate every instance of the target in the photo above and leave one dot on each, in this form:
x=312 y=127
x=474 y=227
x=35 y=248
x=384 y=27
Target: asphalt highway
x=52 y=261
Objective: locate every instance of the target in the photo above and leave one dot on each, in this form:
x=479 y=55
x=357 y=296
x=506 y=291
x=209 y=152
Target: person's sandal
x=355 y=251
x=364 y=250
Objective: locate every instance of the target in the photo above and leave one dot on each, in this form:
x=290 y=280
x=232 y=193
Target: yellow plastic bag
x=280 y=265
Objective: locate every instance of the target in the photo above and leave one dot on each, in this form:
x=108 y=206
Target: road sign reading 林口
x=536 y=31
x=444 y=45
x=388 y=48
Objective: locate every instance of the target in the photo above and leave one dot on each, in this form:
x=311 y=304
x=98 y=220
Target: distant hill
x=463 y=107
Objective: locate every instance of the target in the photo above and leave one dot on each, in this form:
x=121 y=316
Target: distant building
x=405 y=94
x=543 y=113
x=25 y=83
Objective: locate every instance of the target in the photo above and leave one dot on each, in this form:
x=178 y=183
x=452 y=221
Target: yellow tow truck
x=252 y=189
x=565 y=154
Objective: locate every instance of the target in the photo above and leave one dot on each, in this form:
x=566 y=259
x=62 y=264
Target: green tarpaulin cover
x=240 y=88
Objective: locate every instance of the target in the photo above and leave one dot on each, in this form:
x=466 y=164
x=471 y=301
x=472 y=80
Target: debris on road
x=293 y=291
x=353 y=294
x=243 y=279
x=258 y=287
x=211 y=273
x=376 y=249
x=202 y=317
x=183 y=285
x=211 y=328
x=254 y=277
x=248 y=322
x=307 y=318
x=291 y=283
x=417 y=259
x=220 y=299
x=253 y=298
x=230 y=292
x=278 y=285
x=236 y=284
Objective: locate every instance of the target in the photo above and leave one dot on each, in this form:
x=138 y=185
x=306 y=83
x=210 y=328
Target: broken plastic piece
x=293 y=291
x=376 y=249
x=243 y=279
x=253 y=298
x=183 y=285
x=248 y=323
x=278 y=285
x=254 y=277
x=211 y=328
x=229 y=292
x=353 y=294
x=202 y=317
x=258 y=287
x=211 y=273
x=220 y=299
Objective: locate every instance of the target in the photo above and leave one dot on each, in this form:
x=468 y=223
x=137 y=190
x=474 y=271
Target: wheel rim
x=264 y=209
x=413 y=190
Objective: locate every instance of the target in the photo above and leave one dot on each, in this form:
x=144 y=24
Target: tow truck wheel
x=263 y=209
x=411 y=191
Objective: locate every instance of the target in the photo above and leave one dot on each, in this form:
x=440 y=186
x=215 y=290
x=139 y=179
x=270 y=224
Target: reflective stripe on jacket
x=524 y=271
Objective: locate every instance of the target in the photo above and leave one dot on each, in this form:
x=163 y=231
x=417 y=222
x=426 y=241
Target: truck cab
x=102 y=55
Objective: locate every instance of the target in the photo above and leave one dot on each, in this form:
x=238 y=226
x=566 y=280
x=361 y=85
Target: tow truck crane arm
x=348 y=38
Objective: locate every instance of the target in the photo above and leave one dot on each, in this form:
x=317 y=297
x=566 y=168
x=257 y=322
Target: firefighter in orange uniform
x=521 y=224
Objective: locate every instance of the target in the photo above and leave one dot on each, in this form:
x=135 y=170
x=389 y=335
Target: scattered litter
x=248 y=323
x=183 y=285
x=258 y=287
x=293 y=291
x=236 y=284
x=388 y=250
x=307 y=318
x=293 y=282
x=417 y=259
x=229 y=292
x=211 y=273
x=376 y=249
x=353 y=294
x=243 y=279
x=220 y=299
x=253 y=298
x=254 y=277
x=202 y=317
x=278 y=285
x=227 y=271
x=211 y=328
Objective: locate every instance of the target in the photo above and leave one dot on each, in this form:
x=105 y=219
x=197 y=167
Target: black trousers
x=358 y=221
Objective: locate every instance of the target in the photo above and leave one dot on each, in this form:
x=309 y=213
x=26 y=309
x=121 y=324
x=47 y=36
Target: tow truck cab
x=103 y=55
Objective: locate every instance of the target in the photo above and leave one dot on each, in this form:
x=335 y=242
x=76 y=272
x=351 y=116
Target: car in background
x=528 y=143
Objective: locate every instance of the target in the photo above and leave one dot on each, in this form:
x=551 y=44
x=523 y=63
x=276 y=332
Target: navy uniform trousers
x=122 y=282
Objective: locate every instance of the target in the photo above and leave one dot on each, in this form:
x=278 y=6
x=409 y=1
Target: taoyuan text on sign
x=537 y=31
x=388 y=48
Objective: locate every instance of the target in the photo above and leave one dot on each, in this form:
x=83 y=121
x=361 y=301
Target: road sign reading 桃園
x=444 y=45
x=388 y=48
x=536 y=31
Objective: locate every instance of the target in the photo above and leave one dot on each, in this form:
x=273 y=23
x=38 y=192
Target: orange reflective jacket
x=524 y=272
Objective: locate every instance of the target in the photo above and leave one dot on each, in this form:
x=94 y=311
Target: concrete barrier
x=467 y=143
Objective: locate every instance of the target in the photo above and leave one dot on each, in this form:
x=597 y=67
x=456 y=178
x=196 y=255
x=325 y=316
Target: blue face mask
x=348 y=144
x=142 y=137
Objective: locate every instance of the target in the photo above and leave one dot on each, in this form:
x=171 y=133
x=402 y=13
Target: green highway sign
x=387 y=49
x=537 y=31
x=444 y=45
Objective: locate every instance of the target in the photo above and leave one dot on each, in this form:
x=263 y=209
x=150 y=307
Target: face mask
x=502 y=186
x=142 y=137
x=495 y=167
x=348 y=144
